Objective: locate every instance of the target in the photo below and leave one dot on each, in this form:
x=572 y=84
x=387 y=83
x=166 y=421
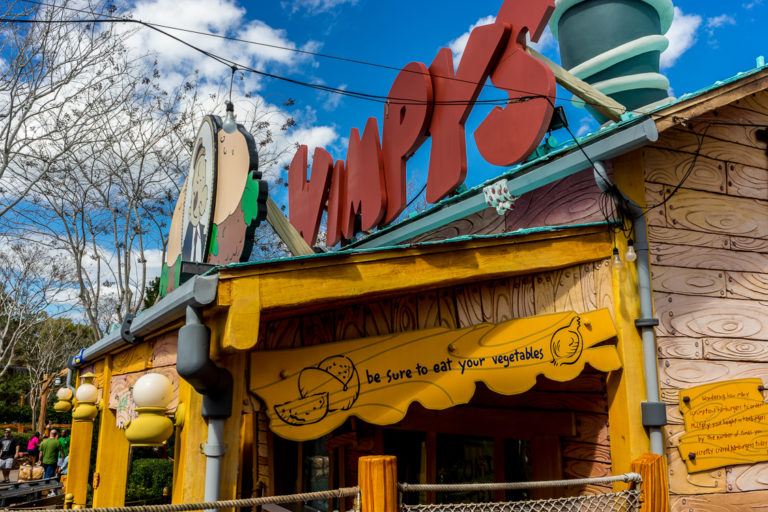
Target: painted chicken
x=567 y=343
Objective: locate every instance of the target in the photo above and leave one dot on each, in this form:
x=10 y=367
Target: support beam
x=286 y=231
x=606 y=105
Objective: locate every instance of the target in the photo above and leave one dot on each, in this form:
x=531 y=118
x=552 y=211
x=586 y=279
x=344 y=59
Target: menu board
x=726 y=423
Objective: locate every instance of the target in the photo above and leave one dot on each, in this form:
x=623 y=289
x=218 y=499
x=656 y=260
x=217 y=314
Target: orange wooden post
x=654 y=472
x=377 y=478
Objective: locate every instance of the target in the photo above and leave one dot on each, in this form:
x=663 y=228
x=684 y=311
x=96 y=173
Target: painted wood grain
x=682 y=482
x=134 y=359
x=469 y=305
x=428 y=310
x=572 y=200
x=678 y=236
x=749 y=244
x=604 y=285
x=742 y=135
x=670 y=396
x=484 y=222
x=164 y=350
x=735 y=349
x=688 y=281
x=725 y=502
x=684 y=374
x=670 y=167
x=558 y=291
x=715 y=213
x=283 y=333
x=120 y=383
x=588 y=452
x=585 y=469
x=350 y=323
x=654 y=197
x=687 y=142
x=747 y=477
x=707 y=258
x=591 y=428
x=672 y=435
x=405 y=313
x=747 y=181
x=318 y=328
x=674 y=416
x=448 y=316
x=679 y=348
x=522 y=297
x=378 y=318
x=588 y=286
x=747 y=285
x=756 y=102
x=710 y=317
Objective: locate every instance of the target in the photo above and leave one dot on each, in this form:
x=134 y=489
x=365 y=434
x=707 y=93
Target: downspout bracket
x=654 y=414
x=647 y=322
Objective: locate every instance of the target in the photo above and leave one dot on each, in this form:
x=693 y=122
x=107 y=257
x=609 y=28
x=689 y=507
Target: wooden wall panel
x=725 y=502
x=735 y=349
x=670 y=167
x=688 y=142
x=749 y=244
x=448 y=316
x=405 y=313
x=708 y=258
x=282 y=334
x=350 y=323
x=747 y=285
x=484 y=222
x=679 y=348
x=683 y=374
x=164 y=350
x=469 y=305
x=429 y=310
x=688 y=281
x=318 y=328
x=678 y=236
x=522 y=297
x=591 y=428
x=716 y=213
x=710 y=317
x=586 y=451
x=654 y=197
x=747 y=477
x=585 y=469
x=378 y=318
x=497 y=301
x=681 y=482
x=747 y=181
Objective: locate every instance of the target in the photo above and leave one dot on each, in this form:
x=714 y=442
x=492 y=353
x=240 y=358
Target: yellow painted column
x=79 y=460
x=626 y=387
x=189 y=467
x=112 y=452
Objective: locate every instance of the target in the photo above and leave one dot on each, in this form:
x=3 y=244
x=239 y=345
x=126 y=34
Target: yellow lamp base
x=151 y=428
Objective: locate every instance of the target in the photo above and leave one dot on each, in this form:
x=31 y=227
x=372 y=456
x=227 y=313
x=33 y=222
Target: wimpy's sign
x=432 y=102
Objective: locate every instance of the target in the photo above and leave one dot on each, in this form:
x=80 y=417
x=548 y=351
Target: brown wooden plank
x=591 y=428
x=164 y=350
x=707 y=258
x=654 y=196
x=747 y=181
x=585 y=469
x=688 y=281
x=735 y=349
x=378 y=318
x=680 y=236
x=604 y=284
x=744 y=135
x=670 y=396
x=672 y=435
x=448 y=317
x=747 y=285
x=684 y=374
x=715 y=213
x=674 y=416
x=679 y=348
x=670 y=167
x=685 y=141
x=682 y=482
x=757 y=102
x=497 y=301
x=586 y=451
x=568 y=296
x=546 y=464
x=749 y=244
x=747 y=477
x=283 y=333
x=429 y=310
x=469 y=305
x=572 y=200
x=350 y=323
x=588 y=286
x=405 y=313
x=318 y=328
x=725 y=502
x=484 y=222
x=523 y=297
x=688 y=315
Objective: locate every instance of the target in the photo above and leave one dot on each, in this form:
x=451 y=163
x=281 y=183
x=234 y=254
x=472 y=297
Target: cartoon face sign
x=199 y=199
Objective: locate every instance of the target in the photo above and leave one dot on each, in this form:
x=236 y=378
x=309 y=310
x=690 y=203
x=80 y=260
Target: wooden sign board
x=726 y=423
x=311 y=391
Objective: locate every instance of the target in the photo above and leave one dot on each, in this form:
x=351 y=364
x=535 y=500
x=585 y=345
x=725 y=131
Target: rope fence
x=247 y=502
x=634 y=478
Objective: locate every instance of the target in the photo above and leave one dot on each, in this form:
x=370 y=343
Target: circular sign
x=200 y=193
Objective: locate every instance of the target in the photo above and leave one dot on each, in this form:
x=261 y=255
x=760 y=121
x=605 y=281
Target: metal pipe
x=653 y=410
x=214 y=452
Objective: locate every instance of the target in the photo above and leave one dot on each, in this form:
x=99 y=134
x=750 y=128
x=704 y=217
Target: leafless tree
x=33 y=282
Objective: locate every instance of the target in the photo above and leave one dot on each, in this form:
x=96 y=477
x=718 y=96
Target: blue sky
x=709 y=41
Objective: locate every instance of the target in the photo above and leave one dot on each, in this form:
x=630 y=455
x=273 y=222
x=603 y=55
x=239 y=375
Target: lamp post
x=152 y=393
x=87 y=395
x=64 y=402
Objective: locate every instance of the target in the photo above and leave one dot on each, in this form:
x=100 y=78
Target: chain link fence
x=623 y=501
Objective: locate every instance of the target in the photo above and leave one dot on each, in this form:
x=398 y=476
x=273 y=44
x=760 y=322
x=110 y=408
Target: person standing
x=64 y=442
x=9 y=451
x=33 y=448
x=50 y=449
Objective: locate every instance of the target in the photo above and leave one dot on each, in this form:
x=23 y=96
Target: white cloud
x=681 y=35
x=457 y=45
x=719 y=21
x=750 y=5
x=587 y=124
x=334 y=99
x=546 y=42
x=314 y=6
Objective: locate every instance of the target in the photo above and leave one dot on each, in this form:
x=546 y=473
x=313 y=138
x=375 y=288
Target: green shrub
x=147 y=479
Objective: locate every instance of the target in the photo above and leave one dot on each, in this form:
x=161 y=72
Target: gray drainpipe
x=194 y=365
x=653 y=411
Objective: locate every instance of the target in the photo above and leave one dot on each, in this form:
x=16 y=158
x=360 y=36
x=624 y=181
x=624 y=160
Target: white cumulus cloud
x=314 y=6
x=681 y=35
x=457 y=45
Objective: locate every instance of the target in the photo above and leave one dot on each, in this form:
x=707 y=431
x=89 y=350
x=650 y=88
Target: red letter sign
x=509 y=134
x=308 y=197
x=406 y=125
